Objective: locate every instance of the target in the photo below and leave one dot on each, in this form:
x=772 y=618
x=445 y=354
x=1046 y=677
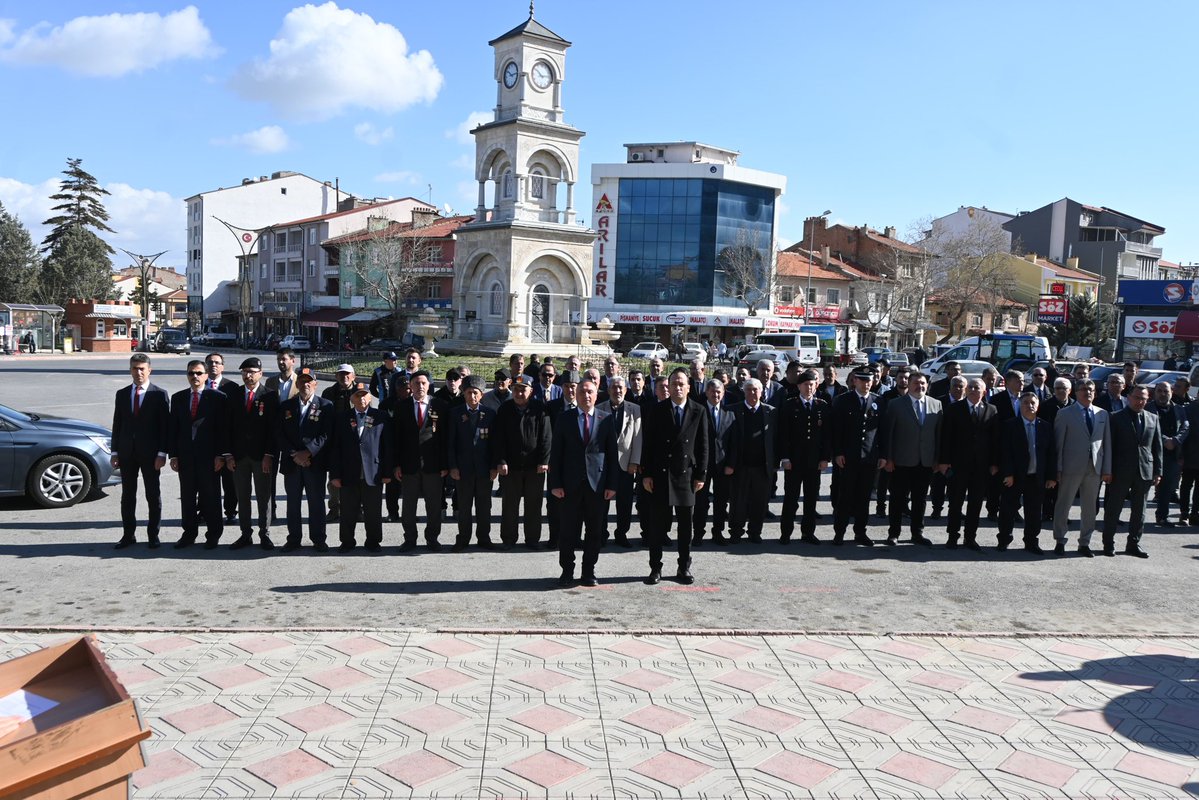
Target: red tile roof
x=443 y=228
x=795 y=263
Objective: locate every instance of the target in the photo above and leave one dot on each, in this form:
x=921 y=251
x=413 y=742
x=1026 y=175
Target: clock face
x=542 y=76
x=510 y=74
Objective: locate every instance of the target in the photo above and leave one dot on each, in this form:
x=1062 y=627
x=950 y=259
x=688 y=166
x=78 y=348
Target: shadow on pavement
x=538 y=584
x=1161 y=710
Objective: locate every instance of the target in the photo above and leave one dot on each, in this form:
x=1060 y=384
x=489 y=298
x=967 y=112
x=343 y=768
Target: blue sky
x=882 y=112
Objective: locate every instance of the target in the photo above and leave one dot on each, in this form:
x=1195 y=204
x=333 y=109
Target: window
x=508 y=185
x=312 y=236
x=786 y=295
x=262 y=271
x=120 y=330
x=347 y=288
x=812 y=295
x=434 y=254
x=1014 y=319
x=433 y=290
x=280 y=270
x=311 y=268
x=537 y=186
x=833 y=297
x=497 y=299
x=976 y=320
x=100 y=329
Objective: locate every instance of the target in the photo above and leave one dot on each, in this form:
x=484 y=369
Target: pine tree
x=19 y=261
x=79 y=267
x=79 y=206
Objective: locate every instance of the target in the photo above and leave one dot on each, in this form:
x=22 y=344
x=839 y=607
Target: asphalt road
x=59 y=568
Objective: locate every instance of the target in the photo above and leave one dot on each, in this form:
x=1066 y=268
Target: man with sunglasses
x=216 y=380
x=198 y=445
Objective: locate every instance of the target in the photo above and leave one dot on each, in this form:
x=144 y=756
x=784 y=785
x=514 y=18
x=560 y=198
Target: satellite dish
x=449 y=210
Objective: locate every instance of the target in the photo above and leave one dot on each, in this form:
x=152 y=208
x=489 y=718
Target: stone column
x=481 y=208
x=569 y=217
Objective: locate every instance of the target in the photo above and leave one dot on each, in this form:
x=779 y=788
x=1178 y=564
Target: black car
x=55 y=461
x=172 y=340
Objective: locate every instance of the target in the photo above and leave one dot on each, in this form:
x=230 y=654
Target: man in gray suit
x=1082 y=436
x=908 y=451
x=626 y=419
x=1136 y=466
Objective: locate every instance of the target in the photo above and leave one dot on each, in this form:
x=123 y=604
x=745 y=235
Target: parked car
x=873 y=353
x=650 y=350
x=779 y=357
x=56 y=461
x=895 y=359
x=172 y=340
x=385 y=345
x=298 y=343
x=692 y=351
x=970 y=369
x=859 y=358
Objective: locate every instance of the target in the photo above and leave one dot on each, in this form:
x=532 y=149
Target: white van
x=997 y=349
x=805 y=347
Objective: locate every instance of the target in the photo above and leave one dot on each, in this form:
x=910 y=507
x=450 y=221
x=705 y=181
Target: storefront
x=1157 y=319
x=103 y=327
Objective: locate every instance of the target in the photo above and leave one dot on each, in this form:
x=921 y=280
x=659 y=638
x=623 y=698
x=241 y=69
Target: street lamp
x=811 y=257
x=144 y=264
x=247 y=239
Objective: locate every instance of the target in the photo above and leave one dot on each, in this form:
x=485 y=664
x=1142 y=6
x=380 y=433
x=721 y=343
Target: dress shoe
x=951 y=543
x=182 y=543
x=785 y=539
x=1165 y=523
x=245 y=540
x=487 y=544
x=265 y=542
x=769 y=515
x=1004 y=542
x=936 y=514
x=922 y=540
x=1135 y=550
x=210 y=544
x=231 y=519
x=809 y=539
x=880 y=511
x=407 y=547
x=567 y=578
x=756 y=538
x=332 y=516
x=154 y=544
x=864 y=540
x=1035 y=549
x=1059 y=549
x=892 y=540
x=125 y=542
x=434 y=546
x=838 y=539
x=623 y=541
x=655 y=576
x=1085 y=551
x=321 y=547
x=721 y=541
x=289 y=547
x=972 y=544
x=346 y=547
x=685 y=577
x=459 y=547
x=373 y=547
x=589 y=579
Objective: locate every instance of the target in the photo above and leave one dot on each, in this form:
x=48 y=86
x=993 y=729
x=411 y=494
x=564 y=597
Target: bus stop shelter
x=28 y=328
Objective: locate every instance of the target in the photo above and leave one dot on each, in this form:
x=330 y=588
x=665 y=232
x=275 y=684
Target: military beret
x=251 y=363
x=808 y=375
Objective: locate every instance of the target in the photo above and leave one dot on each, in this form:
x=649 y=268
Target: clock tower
x=523 y=265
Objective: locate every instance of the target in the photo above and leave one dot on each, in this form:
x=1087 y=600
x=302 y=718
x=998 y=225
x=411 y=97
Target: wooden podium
x=86 y=746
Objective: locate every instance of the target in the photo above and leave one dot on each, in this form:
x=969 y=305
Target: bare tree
x=393 y=264
x=899 y=277
x=972 y=272
x=750 y=270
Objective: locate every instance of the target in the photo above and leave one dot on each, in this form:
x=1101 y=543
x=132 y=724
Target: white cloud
x=399 y=176
x=466 y=161
x=474 y=120
x=111 y=45
x=145 y=220
x=368 y=133
x=326 y=59
x=267 y=139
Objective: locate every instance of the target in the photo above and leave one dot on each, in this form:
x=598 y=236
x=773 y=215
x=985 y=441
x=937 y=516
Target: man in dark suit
x=1041 y=384
x=252 y=410
x=360 y=464
x=302 y=430
x=400 y=393
x=1027 y=466
x=674 y=451
x=216 y=380
x=472 y=464
x=938 y=486
x=805 y=450
x=715 y=494
x=582 y=477
x=421 y=460
x=1136 y=466
x=626 y=419
x=898 y=388
x=339 y=395
x=751 y=462
x=968 y=447
x=1112 y=398
x=198 y=446
x=940 y=388
x=521 y=449
x=140 y=427
x=909 y=450
x=855 y=419
x=547 y=390
x=1007 y=402
x=564 y=404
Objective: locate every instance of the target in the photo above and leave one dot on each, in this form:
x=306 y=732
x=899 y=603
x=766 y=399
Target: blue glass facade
x=671 y=232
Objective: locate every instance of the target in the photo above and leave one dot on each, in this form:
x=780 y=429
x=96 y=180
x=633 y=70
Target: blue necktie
x=1090 y=421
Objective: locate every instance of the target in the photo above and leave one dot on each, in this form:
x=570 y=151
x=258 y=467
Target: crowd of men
x=687 y=452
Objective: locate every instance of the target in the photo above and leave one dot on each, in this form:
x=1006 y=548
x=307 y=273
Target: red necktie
x=586 y=429
x=420 y=415
x=249 y=399
x=195 y=403
x=137 y=400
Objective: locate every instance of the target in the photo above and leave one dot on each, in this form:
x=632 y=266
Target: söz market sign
x=1149 y=327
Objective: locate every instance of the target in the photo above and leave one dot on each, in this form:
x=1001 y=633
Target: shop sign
x=1053 y=310
x=1149 y=327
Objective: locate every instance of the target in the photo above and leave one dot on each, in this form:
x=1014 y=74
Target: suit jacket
x=628 y=436
x=312 y=433
x=1077 y=450
x=252 y=432
x=224 y=385
x=273 y=383
x=1044 y=393
x=138 y=440
x=1104 y=401
x=1050 y=408
x=939 y=388
x=573 y=464
x=522 y=441
x=829 y=393
x=1135 y=455
x=1013 y=450
x=365 y=455
x=904 y=440
x=738 y=437
x=805 y=437
x=969 y=444
x=470 y=440
x=555 y=409
x=719 y=439
x=546 y=395
x=421 y=449
x=673 y=455
x=196 y=442
x=855 y=430
x=1004 y=408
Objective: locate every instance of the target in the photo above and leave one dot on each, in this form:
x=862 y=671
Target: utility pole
x=144 y=265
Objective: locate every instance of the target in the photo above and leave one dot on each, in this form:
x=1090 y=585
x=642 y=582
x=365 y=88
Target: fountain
x=428 y=325
x=605 y=333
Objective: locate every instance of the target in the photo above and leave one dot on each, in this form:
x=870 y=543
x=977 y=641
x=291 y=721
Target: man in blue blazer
x=472 y=465
x=583 y=464
x=359 y=465
x=140 y=426
x=198 y=447
x=1027 y=467
x=304 y=424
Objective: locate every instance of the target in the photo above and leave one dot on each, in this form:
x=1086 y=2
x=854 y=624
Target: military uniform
x=470 y=455
x=855 y=421
x=804 y=443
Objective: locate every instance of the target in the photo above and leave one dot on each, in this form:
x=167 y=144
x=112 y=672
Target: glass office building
x=672 y=233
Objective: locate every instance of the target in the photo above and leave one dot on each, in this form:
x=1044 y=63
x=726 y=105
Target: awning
x=107 y=315
x=1186 y=327
x=365 y=316
x=324 y=317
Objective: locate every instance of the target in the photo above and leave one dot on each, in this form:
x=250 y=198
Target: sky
x=884 y=113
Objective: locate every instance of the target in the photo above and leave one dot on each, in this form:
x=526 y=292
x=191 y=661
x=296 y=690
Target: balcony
x=1142 y=249
x=322 y=301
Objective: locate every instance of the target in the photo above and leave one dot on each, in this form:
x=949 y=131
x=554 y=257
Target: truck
x=217 y=336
